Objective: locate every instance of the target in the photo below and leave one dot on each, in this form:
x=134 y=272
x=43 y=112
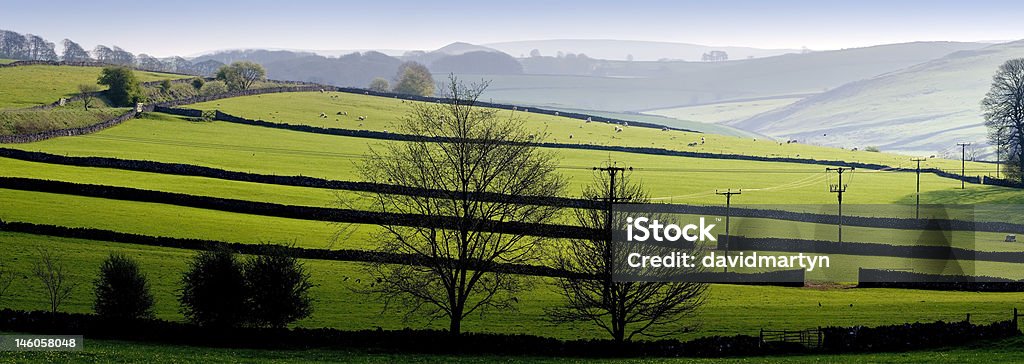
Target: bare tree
x=6 y=279
x=87 y=91
x=465 y=151
x=55 y=278
x=1004 y=114
x=623 y=309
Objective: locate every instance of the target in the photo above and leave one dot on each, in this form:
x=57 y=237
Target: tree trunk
x=455 y=327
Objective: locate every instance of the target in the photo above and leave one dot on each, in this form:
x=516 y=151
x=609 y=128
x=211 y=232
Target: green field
x=670 y=179
x=382 y=114
x=730 y=309
x=29 y=86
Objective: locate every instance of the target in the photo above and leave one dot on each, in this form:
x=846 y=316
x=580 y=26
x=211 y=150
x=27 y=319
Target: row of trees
x=32 y=47
x=217 y=288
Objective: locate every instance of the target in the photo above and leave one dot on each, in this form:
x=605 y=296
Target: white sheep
x=361 y=118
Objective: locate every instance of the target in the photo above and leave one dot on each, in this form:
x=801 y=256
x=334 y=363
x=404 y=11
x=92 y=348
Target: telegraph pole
x=611 y=199
x=918 y=160
x=728 y=201
x=839 y=189
x=963 y=164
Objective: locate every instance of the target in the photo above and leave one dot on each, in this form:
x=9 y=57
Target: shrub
x=197 y=83
x=213 y=88
x=379 y=85
x=279 y=289
x=122 y=291
x=872 y=149
x=213 y=290
x=124 y=86
x=165 y=86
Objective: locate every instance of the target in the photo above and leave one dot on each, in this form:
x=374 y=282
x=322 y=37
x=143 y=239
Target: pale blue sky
x=188 y=27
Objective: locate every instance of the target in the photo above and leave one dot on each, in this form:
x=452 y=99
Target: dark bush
x=278 y=289
x=197 y=83
x=122 y=291
x=125 y=89
x=213 y=290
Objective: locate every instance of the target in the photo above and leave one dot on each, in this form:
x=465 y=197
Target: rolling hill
x=924 y=109
x=644 y=86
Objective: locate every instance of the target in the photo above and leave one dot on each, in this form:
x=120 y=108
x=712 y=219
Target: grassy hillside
x=29 y=86
x=730 y=310
x=925 y=109
x=723 y=112
x=634 y=86
x=383 y=114
x=682 y=180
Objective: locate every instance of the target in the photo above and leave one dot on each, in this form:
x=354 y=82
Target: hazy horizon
x=191 y=27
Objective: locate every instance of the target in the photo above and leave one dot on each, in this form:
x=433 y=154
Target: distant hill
x=478 y=62
x=619 y=49
x=458 y=48
x=358 y=69
x=643 y=86
x=354 y=69
x=923 y=109
x=260 y=56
